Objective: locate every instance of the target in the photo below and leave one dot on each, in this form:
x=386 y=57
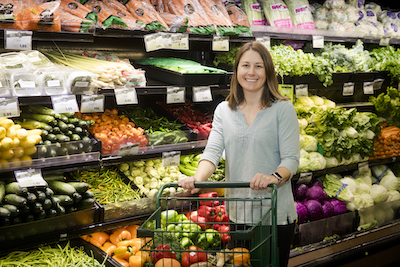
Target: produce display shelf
x=354 y=247
x=307 y=34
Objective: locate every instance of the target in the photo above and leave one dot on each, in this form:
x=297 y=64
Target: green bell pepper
x=168 y=216
x=186 y=242
x=211 y=239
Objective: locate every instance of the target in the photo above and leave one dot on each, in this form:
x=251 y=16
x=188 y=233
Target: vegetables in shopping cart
x=220 y=214
x=206 y=212
x=209 y=240
x=168 y=216
x=211 y=203
x=186 y=242
x=194 y=255
x=162 y=251
x=224 y=230
x=195 y=217
x=241 y=256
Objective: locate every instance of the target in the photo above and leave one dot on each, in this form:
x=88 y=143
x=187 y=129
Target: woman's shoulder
x=222 y=106
x=283 y=104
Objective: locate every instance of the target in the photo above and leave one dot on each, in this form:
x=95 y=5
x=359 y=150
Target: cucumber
x=65 y=200
x=62 y=188
x=31 y=198
x=36 y=207
x=62 y=138
x=4 y=213
x=14 y=211
x=2 y=190
x=40 y=215
x=15 y=188
x=80 y=187
x=47 y=204
x=15 y=200
x=41 y=196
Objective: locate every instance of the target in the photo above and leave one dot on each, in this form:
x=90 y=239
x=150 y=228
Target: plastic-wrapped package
x=334 y=4
x=390 y=30
x=79 y=10
x=321 y=13
x=79 y=82
x=216 y=11
x=25 y=84
x=277 y=13
x=41 y=16
x=335 y=26
x=239 y=18
x=176 y=23
x=11 y=14
x=52 y=81
x=321 y=24
x=352 y=13
x=300 y=13
x=254 y=12
x=5 y=89
x=387 y=16
x=15 y=62
x=105 y=18
x=373 y=7
x=72 y=23
x=143 y=11
x=337 y=15
x=37 y=59
x=357 y=3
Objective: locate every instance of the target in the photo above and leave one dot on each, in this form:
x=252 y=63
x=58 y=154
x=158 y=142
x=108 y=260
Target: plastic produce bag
x=277 y=13
x=301 y=13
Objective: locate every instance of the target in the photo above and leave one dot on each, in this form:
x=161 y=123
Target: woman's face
x=251 y=71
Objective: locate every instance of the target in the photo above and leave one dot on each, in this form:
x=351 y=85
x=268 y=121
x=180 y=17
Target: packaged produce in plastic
x=37 y=59
x=80 y=82
x=4 y=84
x=277 y=13
x=300 y=13
x=52 y=82
x=15 y=62
x=25 y=84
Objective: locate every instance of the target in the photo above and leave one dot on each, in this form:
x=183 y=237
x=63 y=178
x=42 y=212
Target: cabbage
x=351 y=184
x=302 y=212
x=300 y=192
x=321 y=13
x=362 y=187
x=389 y=181
x=393 y=195
x=328 y=103
x=316 y=193
x=308 y=142
x=318 y=183
x=331 y=162
x=379 y=193
x=339 y=207
x=317 y=161
x=328 y=209
x=315 y=211
x=303 y=123
x=368 y=200
x=334 y=4
x=318 y=101
x=303 y=165
x=337 y=15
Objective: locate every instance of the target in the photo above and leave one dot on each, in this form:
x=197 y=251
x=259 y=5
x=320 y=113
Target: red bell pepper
x=194 y=216
x=220 y=214
x=206 y=212
x=225 y=237
x=194 y=255
x=211 y=203
x=164 y=252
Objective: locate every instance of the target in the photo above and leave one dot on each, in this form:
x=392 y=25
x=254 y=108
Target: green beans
x=52 y=256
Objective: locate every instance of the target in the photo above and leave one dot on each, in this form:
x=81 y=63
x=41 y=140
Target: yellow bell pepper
x=133 y=230
x=123 y=262
x=108 y=248
x=123 y=252
x=98 y=239
x=120 y=235
x=135 y=261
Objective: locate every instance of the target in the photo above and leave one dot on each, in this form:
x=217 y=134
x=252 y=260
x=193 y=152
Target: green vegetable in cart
x=186 y=242
x=181 y=218
x=213 y=238
x=168 y=216
x=167 y=238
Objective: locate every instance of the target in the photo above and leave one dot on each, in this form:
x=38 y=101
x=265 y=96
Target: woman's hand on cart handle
x=187 y=183
x=261 y=181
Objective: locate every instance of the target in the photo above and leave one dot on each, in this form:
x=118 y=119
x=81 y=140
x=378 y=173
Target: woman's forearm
x=204 y=170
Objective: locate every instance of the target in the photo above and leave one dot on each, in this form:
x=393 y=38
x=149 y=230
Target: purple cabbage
x=300 y=192
x=317 y=193
x=315 y=211
x=302 y=212
x=328 y=209
x=339 y=207
x=318 y=183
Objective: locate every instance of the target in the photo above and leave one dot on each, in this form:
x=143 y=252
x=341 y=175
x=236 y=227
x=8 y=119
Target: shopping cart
x=250 y=243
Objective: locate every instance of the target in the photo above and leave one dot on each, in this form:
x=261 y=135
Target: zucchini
x=86 y=140
x=73 y=120
x=52 y=137
x=60 y=210
x=63 y=126
x=69 y=114
x=43 y=110
x=28 y=217
x=78 y=130
x=31 y=198
x=88 y=194
x=65 y=200
x=14 y=211
x=52 y=152
x=55 y=202
x=75 y=137
x=47 y=203
x=24 y=209
x=86 y=203
x=62 y=188
x=2 y=190
x=36 y=207
x=15 y=200
x=5 y=221
x=83 y=124
x=70 y=209
x=16 y=220
x=5 y=213
x=40 y=215
x=44 y=134
x=50 y=213
x=40 y=117
x=71 y=126
x=34 y=124
x=49 y=192
x=77 y=198
x=62 y=151
x=56 y=130
x=46 y=143
x=62 y=138
x=80 y=187
x=15 y=188
x=64 y=118
x=41 y=196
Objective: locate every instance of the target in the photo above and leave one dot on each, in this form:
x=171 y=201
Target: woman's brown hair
x=271 y=90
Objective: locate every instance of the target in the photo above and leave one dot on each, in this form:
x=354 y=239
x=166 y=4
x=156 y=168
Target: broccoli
x=168 y=238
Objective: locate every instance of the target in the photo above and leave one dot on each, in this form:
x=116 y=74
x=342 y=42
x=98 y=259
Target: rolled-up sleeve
x=289 y=141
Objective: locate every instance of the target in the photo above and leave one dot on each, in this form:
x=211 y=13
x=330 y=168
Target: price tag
x=9 y=107
x=202 y=94
x=363 y=167
x=171 y=159
x=175 y=95
x=318 y=41
x=180 y=41
x=287 y=90
x=368 y=88
x=266 y=41
x=378 y=84
x=348 y=89
x=92 y=103
x=220 y=43
x=384 y=41
x=125 y=96
x=53 y=83
x=30 y=178
x=153 y=42
x=64 y=103
x=129 y=149
x=167 y=40
x=301 y=90
x=305 y=178
x=17 y=40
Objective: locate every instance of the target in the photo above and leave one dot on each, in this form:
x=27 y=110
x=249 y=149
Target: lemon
x=7 y=154
x=7 y=143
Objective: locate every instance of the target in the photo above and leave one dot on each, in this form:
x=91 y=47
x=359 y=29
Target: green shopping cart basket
x=199 y=224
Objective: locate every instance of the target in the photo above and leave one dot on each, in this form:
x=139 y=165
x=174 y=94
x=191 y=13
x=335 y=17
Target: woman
x=259 y=131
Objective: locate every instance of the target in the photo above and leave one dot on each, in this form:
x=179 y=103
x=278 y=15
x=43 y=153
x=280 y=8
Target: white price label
x=180 y=41
x=129 y=149
x=368 y=88
x=26 y=84
x=9 y=107
x=318 y=41
x=64 y=103
x=378 y=84
x=202 y=94
x=266 y=41
x=301 y=90
x=125 y=96
x=153 y=42
x=305 y=178
x=220 y=43
x=30 y=178
x=175 y=95
x=384 y=41
x=167 y=39
x=92 y=103
x=53 y=83
x=17 y=40
x=348 y=89
x=171 y=159
x=363 y=167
